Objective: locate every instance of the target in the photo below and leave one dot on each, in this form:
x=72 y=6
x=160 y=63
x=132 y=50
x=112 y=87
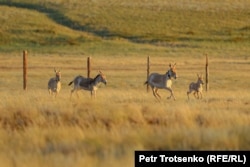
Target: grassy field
x=39 y=130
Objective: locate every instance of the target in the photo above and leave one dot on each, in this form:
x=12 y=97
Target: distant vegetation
x=162 y=23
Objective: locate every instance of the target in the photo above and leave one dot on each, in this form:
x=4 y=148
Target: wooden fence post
x=88 y=66
x=207 y=73
x=25 y=69
x=148 y=71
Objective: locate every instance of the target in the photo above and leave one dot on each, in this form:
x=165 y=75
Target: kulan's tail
x=70 y=83
x=146 y=83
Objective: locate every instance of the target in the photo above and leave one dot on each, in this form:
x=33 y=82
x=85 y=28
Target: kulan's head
x=172 y=71
x=103 y=78
x=200 y=79
x=58 y=75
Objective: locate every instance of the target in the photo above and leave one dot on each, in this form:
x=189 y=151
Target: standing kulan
x=54 y=84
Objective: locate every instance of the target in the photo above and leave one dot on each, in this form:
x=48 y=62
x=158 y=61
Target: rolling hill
x=191 y=24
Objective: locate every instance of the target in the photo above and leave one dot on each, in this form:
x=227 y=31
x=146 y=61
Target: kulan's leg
x=196 y=94
x=76 y=92
x=153 y=89
x=201 y=94
x=188 y=92
x=72 y=91
x=156 y=92
x=93 y=94
x=171 y=91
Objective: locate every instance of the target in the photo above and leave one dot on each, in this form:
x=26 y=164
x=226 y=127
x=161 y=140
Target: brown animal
x=162 y=81
x=89 y=84
x=54 y=84
x=196 y=87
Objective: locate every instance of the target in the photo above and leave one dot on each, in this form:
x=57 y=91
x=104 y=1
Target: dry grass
x=39 y=130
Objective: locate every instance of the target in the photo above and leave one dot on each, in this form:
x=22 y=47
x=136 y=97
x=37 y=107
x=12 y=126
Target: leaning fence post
x=88 y=66
x=25 y=69
x=207 y=73
x=148 y=71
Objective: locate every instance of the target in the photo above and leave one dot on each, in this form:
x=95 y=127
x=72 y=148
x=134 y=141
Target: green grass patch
x=159 y=23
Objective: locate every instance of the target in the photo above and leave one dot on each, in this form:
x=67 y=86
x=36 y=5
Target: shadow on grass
x=58 y=17
x=63 y=20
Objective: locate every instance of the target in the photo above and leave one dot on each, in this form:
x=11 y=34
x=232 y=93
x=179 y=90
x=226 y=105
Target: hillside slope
x=163 y=23
x=29 y=26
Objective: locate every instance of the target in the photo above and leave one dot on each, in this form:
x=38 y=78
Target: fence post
x=25 y=69
x=148 y=71
x=88 y=66
x=207 y=73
